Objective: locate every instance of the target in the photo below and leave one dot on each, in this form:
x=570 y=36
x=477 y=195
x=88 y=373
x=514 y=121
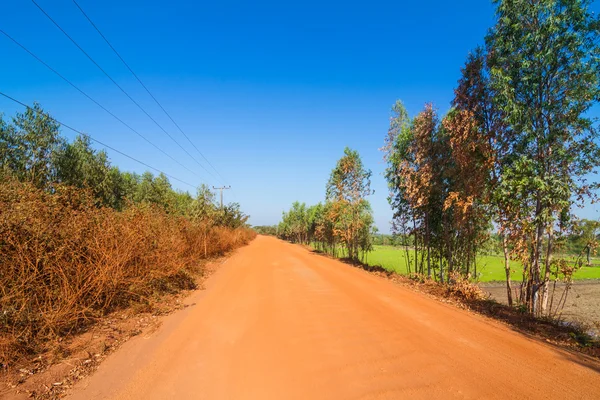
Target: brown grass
x=65 y=263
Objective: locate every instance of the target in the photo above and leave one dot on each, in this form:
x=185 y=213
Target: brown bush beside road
x=65 y=262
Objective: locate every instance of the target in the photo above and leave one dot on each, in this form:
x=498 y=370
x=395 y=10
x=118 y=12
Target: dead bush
x=463 y=288
x=64 y=262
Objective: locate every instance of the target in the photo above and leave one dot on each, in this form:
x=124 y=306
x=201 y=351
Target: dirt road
x=278 y=322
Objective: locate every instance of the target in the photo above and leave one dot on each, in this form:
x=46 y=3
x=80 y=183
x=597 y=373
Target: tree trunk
x=416 y=253
x=588 y=249
x=507 y=270
x=428 y=240
x=546 y=284
x=405 y=239
x=534 y=278
x=450 y=261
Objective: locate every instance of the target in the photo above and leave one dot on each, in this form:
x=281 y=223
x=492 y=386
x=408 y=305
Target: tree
x=270 y=230
x=28 y=145
x=397 y=155
x=295 y=223
x=466 y=212
x=231 y=216
x=79 y=165
x=545 y=71
x=585 y=237
x=485 y=148
x=421 y=173
x=8 y=148
x=347 y=188
x=203 y=211
x=438 y=176
x=154 y=190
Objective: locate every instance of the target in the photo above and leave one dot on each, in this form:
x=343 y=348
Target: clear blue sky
x=271 y=92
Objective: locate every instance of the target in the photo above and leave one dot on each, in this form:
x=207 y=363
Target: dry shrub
x=64 y=262
x=463 y=288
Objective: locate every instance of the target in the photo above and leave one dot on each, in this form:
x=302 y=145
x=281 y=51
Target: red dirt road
x=278 y=322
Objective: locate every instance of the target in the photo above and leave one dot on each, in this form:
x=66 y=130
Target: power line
x=99 y=142
x=94 y=101
x=221 y=189
x=146 y=88
x=117 y=85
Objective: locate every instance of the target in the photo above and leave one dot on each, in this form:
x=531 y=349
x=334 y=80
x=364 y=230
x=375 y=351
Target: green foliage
x=28 y=145
x=437 y=173
x=32 y=150
x=203 y=207
x=270 y=230
x=345 y=218
x=231 y=216
x=350 y=213
x=79 y=165
x=294 y=224
x=545 y=73
x=349 y=181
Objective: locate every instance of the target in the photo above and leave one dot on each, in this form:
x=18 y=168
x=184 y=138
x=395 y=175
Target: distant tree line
x=270 y=230
x=343 y=221
x=33 y=151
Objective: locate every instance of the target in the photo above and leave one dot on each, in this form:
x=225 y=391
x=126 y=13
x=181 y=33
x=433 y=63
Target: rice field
x=489 y=268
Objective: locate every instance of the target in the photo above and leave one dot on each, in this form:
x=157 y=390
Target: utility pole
x=221 y=189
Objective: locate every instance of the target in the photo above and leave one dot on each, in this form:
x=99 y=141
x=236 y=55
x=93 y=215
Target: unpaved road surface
x=278 y=322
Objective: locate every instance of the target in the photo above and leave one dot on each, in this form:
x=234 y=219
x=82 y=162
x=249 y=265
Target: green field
x=489 y=268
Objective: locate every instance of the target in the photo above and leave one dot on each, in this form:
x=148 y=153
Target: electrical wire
x=147 y=90
x=117 y=85
x=95 y=102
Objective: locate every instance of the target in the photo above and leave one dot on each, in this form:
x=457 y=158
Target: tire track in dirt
x=278 y=322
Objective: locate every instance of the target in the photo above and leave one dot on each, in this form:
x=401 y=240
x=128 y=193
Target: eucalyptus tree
x=397 y=156
x=154 y=190
x=348 y=186
x=294 y=224
x=79 y=165
x=420 y=178
x=545 y=71
x=28 y=145
x=485 y=147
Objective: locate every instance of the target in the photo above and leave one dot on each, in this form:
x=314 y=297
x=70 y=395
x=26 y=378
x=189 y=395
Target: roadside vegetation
x=79 y=238
x=510 y=162
x=343 y=224
x=515 y=152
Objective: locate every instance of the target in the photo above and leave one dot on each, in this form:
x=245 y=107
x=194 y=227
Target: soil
x=280 y=322
x=52 y=374
x=581 y=305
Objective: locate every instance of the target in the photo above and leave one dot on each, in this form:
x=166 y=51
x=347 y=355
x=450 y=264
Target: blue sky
x=271 y=92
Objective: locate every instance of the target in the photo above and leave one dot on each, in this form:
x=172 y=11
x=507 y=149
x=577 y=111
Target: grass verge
x=489 y=268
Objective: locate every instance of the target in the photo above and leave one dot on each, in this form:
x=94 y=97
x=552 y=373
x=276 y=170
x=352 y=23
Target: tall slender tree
x=397 y=156
x=545 y=71
x=347 y=189
x=491 y=134
x=28 y=145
